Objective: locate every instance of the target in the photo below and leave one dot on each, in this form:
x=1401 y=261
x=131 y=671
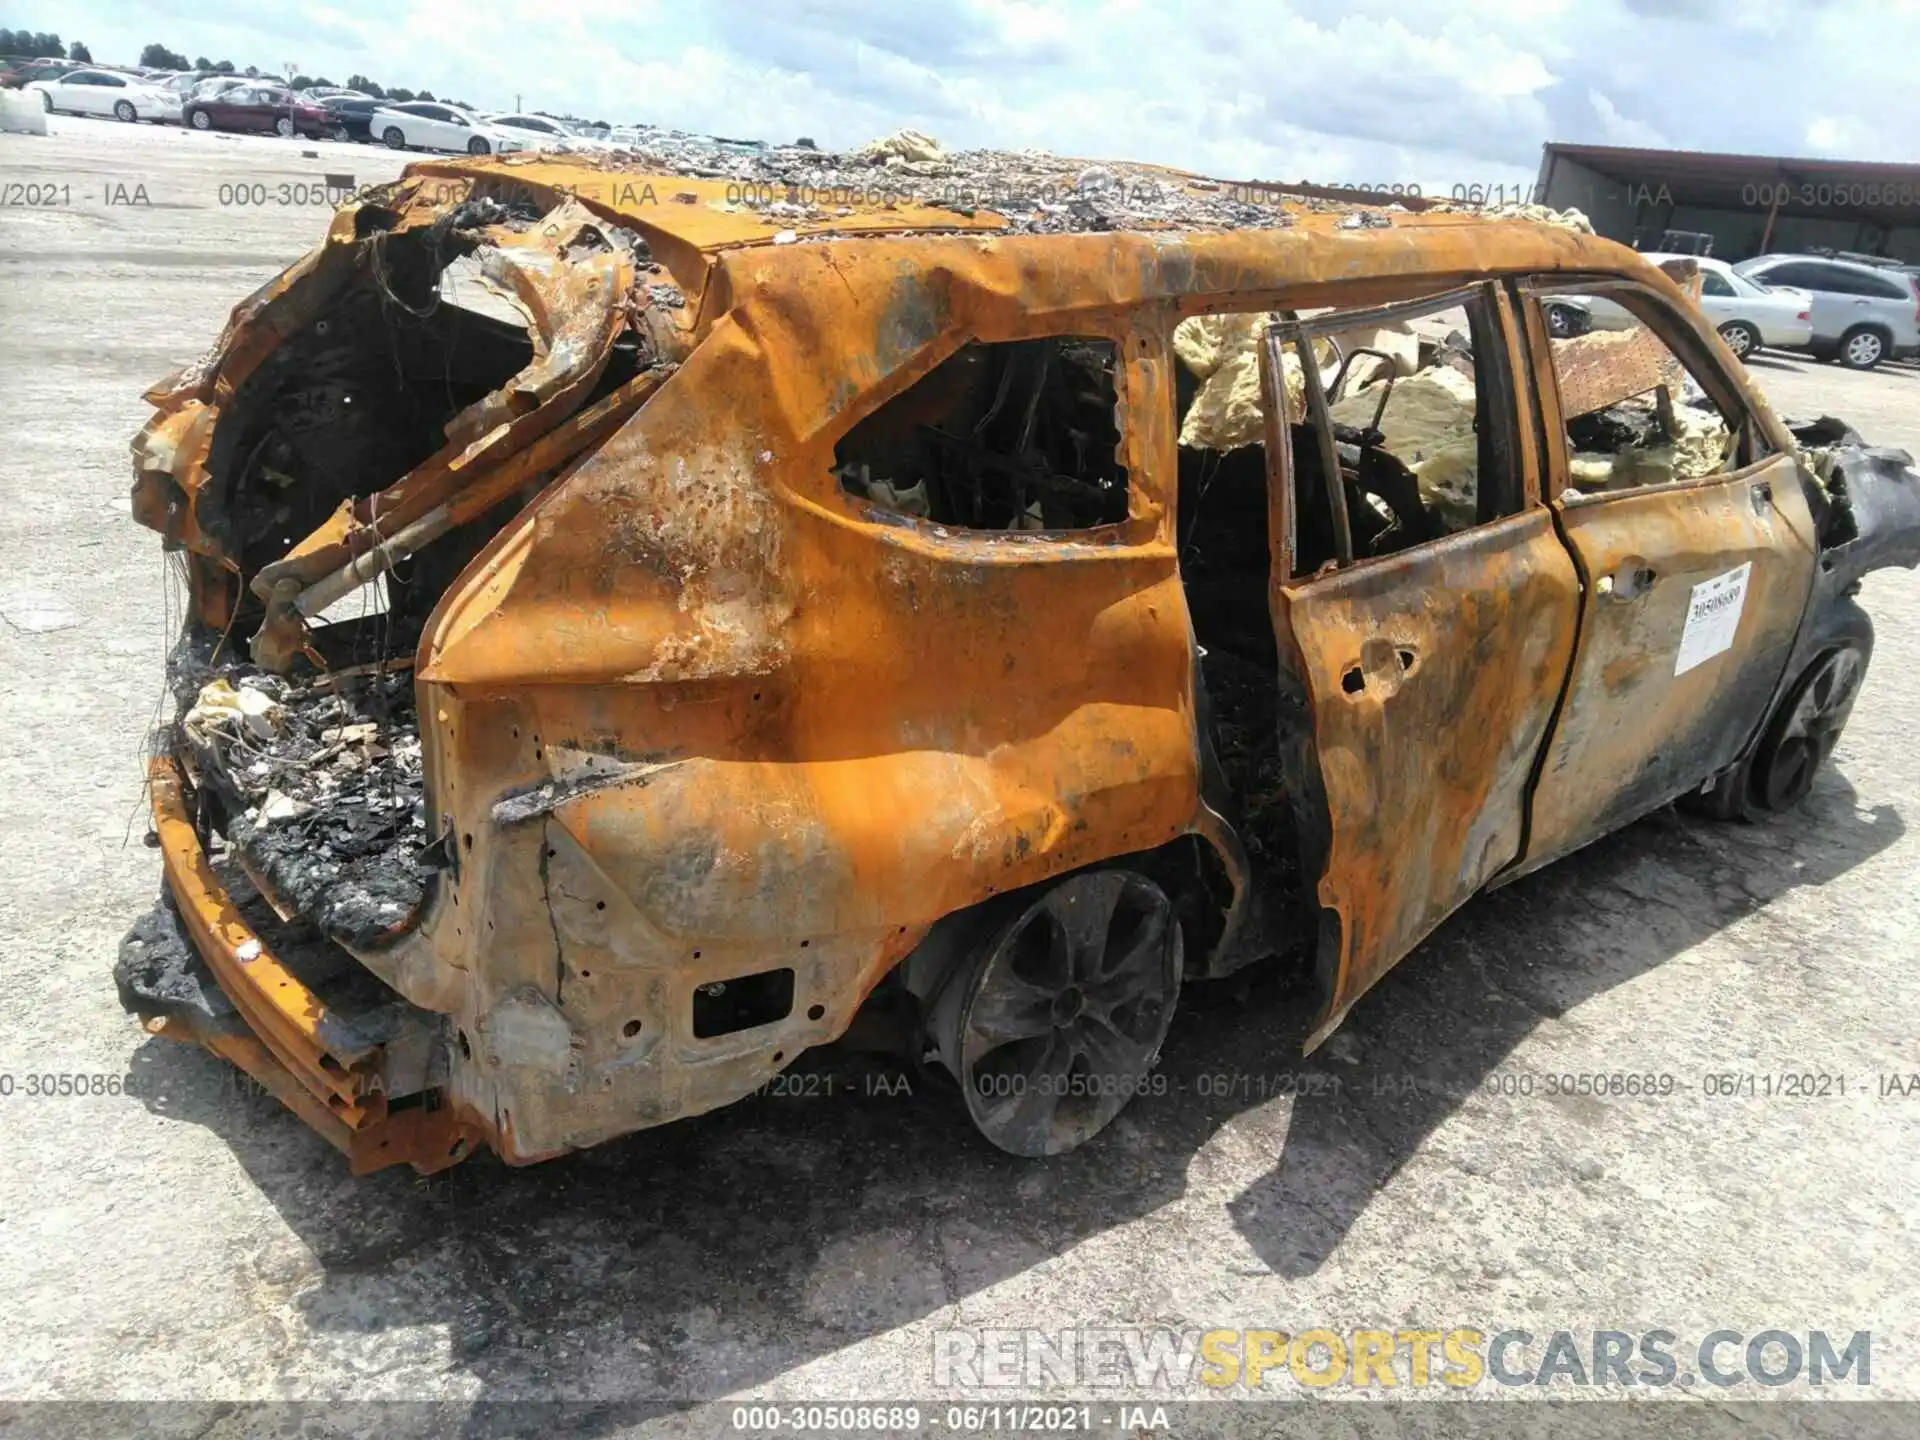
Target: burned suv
x=631 y=631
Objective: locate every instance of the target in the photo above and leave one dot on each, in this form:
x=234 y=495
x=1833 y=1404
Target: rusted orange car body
x=693 y=712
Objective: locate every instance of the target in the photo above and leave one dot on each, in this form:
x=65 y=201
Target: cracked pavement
x=187 y=1239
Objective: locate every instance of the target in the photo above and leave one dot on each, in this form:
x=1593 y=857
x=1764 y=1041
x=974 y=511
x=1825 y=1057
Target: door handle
x=1629 y=582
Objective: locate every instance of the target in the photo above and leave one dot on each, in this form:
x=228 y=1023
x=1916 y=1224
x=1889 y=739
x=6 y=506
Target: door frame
x=1346 y=974
x=1697 y=346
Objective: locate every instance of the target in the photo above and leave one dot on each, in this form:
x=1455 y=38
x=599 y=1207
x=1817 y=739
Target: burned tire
x=394 y=137
x=1741 y=338
x=1055 y=1019
x=124 y=112
x=477 y=146
x=1803 y=730
x=1862 y=348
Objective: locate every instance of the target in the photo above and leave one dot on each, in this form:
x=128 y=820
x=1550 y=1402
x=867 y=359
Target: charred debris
x=327 y=479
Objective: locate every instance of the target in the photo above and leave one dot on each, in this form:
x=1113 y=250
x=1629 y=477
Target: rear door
x=1832 y=308
x=1424 y=659
x=238 y=110
x=1696 y=557
x=86 y=93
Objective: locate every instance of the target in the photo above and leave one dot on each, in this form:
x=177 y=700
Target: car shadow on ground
x=724 y=1251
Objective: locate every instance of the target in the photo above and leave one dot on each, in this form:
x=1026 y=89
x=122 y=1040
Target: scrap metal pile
x=1038 y=193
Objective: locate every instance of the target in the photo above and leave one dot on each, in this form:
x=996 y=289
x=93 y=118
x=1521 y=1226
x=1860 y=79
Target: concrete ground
x=186 y=1239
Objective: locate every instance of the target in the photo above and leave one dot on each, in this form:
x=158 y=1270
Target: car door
x=1425 y=678
x=1696 y=558
x=1717 y=298
x=83 y=93
x=1832 y=306
x=459 y=129
x=231 y=109
x=106 y=92
x=441 y=132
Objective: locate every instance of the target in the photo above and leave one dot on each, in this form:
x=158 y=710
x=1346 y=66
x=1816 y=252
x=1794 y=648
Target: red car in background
x=271 y=109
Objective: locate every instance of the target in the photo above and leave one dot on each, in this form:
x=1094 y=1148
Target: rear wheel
x=1862 y=348
x=1056 y=1021
x=394 y=138
x=477 y=146
x=200 y=120
x=123 y=110
x=1741 y=338
x=340 y=133
x=46 y=102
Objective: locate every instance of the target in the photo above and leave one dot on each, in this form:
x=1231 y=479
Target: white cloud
x=1618 y=129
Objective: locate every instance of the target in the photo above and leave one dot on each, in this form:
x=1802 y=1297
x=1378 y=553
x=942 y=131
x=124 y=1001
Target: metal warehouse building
x=1749 y=204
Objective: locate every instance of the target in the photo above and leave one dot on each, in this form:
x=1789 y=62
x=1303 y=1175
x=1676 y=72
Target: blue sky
x=1368 y=91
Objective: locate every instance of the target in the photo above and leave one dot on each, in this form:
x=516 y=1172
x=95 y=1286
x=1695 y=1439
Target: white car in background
x=1747 y=314
x=429 y=125
x=542 y=132
x=101 y=92
x=334 y=92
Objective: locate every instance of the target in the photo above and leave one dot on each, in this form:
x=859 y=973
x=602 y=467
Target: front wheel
x=1561 y=322
x=46 y=102
x=123 y=110
x=1056 y=1020
x=283 y=127
x=394 y=139
x=1862 y=348
x=1741 y=338
x=1801 y=734
x=477 y=146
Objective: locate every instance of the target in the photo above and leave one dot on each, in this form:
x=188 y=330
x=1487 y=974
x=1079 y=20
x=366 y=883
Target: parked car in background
x=334 y=92
x=1862 y=314
x=347 y=118
x=1748 y=314
x=263 y=109
x=17 y=73
x=540 y=132
x=429 y=125
x=101 y=92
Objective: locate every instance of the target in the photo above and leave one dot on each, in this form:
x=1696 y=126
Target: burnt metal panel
x=1431 y=676
x=1632 y=733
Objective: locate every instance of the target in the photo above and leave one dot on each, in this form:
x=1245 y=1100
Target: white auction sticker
x=1713 y=615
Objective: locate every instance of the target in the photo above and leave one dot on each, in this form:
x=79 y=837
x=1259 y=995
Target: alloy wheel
x=1806 y=734
x=1864 y=350
x=1061 y=1018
